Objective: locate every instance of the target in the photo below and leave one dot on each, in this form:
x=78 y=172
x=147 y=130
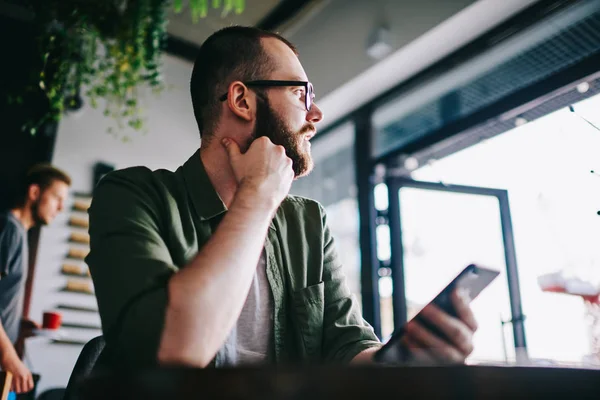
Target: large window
x=546 y=167
x=479 y=98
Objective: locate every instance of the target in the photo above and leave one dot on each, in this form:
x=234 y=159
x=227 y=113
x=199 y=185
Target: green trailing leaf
x=195 y=9
x=178 y=6
x=238 y=6
x=203 y=8
x=107 y=50
x=227 y=7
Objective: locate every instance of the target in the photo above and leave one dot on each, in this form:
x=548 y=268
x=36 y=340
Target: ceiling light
x=583 y=87
x=520 y=121
x=411 y=163
x=378 y=44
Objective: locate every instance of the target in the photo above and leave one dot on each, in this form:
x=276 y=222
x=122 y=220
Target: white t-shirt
x=250 y=342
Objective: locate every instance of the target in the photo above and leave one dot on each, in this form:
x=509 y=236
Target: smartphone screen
x=473 y=279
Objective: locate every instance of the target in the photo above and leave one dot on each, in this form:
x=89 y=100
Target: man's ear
x=241 y=101
x=34 y=192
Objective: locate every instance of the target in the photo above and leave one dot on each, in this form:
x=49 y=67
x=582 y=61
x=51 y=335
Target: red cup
x=52 y=320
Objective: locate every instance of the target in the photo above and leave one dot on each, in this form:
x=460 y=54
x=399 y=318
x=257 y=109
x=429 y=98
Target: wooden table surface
x=326 y=383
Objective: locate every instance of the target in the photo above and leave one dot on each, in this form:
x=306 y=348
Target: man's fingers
x=17 y=384
x=438 y=347
x=22 y=383
x=29 y=324
x=418 y=354
x=29 y=382
x=233 y=150
x=457 y=333
x=461 y=300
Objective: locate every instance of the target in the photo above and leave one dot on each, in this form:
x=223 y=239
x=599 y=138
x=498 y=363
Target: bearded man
x=43 y=195
x=215 y=264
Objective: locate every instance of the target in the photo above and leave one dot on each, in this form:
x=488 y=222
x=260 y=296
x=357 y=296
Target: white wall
x=82 y=141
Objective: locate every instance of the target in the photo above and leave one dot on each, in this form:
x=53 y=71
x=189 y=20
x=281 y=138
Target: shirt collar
x=205 y=199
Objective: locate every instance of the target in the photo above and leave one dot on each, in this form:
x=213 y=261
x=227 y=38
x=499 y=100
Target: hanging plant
x=110 y=48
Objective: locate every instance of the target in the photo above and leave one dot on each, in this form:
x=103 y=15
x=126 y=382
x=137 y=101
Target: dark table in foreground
x=327 y=383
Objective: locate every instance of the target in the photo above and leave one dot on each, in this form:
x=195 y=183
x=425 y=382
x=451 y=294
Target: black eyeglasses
x=309 y=93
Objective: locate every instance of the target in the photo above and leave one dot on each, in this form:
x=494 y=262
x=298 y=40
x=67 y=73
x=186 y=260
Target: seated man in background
x=215 y=264
x=43 y=196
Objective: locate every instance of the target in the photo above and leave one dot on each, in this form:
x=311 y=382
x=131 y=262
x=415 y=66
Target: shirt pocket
x=309 y=305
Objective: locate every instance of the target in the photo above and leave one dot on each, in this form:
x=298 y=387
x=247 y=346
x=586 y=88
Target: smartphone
x=473 y=279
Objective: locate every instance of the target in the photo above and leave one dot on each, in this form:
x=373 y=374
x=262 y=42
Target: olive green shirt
x=145 y=225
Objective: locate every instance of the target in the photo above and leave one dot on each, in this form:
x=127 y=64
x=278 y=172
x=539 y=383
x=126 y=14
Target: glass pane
x=386 y=290
x=384 y=250
x=545 y=167
x=443 y=232
x=381 y=197
x=343 y=219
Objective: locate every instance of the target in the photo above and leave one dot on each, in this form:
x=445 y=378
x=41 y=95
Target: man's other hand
x=426 y=347
x=22 y=381
x=28 y=327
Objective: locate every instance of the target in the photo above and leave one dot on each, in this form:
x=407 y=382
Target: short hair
x=42 y=175
x=230 y=54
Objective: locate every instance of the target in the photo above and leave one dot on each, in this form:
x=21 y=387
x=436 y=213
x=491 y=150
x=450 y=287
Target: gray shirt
x=251 y=339
x=13 y=273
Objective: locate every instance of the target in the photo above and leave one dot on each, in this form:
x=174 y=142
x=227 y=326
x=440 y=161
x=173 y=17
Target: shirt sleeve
x=130 y=265
x=11 y=249
x=345 y=332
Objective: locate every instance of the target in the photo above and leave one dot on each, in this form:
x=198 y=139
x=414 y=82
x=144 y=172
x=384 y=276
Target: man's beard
x=35 y=214
x=269 y=124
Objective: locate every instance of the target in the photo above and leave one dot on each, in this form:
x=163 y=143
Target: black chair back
x=83 y=367
x=52 y=394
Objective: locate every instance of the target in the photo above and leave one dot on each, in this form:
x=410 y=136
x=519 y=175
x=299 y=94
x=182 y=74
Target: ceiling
x=182 y=27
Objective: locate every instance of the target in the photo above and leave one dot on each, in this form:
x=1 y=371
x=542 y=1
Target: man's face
x=281 y=113
x=296 y=143
x=49 y=202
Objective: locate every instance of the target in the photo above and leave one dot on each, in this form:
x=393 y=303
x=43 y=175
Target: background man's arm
x=11 y=247
x=22 y=380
